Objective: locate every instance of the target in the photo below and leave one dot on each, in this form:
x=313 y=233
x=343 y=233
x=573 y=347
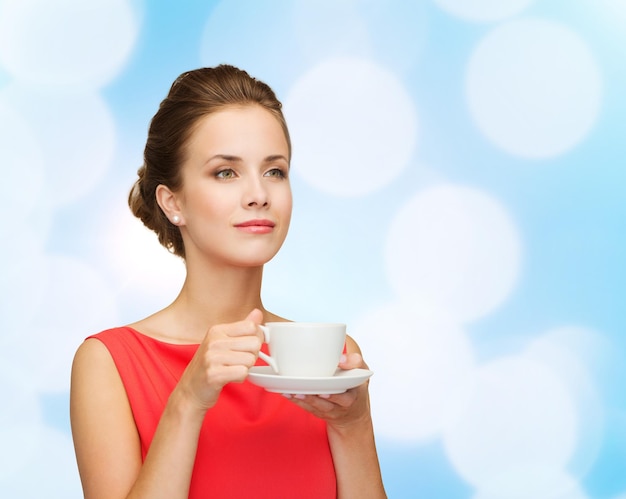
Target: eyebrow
x=237 y=159
x=275 y=157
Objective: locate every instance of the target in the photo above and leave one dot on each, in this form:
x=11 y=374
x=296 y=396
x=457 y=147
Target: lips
x=256 y=227
x=256 y=223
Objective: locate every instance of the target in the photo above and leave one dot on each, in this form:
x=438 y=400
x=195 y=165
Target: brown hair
x=193 y=95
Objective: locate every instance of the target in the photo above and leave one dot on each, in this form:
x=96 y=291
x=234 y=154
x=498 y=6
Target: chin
x=254 y=261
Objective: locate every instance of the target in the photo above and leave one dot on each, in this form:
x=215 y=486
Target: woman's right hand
x=225 y=355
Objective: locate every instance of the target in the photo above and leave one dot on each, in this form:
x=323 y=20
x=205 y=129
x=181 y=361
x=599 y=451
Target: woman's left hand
x=340 y=410
x=350 y=432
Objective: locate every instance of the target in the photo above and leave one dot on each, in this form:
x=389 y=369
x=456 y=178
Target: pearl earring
x=175 y=219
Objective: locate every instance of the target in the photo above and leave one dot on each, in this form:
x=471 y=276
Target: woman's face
x=235 y=203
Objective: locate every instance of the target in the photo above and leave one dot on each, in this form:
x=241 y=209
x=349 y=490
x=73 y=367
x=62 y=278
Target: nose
x=256 y=194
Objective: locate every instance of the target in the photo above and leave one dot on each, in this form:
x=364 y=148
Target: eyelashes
x=229 y=173
x=276 y=172
x=225 y=174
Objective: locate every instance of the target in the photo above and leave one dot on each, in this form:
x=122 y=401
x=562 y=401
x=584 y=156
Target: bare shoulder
x=105 y=436
x=93 y=365
x=95 y=381
x=96 y=386
x=89 y=351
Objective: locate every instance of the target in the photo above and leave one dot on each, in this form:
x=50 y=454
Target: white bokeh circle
x=76 y=134
x=544 y=484
x=533 y=88
x=24 y=274
x=55 y=466
x=64 y=43
x=484 y=10
x=394 y=31
x=519 y=418
x=143 y=272
x=77 y=301
x=23 y=163
x=419 y=359
x=273 y=57
x=571 y=352
x=615 y=10
x=353 y=126
x=20 y=418
x=455 y=246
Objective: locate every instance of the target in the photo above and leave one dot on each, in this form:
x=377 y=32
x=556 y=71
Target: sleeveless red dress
x=252 y=444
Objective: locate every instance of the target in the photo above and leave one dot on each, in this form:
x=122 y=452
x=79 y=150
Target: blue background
x=479 y=262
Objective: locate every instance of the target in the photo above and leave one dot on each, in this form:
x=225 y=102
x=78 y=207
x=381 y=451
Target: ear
x=169 y=204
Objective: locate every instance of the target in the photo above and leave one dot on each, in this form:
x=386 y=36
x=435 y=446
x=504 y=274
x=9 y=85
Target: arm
x=106 y=439
x=350 y=434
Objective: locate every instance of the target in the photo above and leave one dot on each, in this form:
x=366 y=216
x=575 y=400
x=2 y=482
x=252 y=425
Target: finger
x=247 y=327
x=255 y=316
x=345 y=399
x=250 y=344
x=253 y=321
x=326 y=402
x=319 y=407
x=308 y=403
x=352 y=361
x=245 y=358
x=228 y=374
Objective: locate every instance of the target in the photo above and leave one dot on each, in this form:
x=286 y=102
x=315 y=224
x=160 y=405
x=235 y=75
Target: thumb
x=352 y=361
x=255 y=316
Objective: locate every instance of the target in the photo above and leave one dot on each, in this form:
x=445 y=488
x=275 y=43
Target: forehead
x=249 y=127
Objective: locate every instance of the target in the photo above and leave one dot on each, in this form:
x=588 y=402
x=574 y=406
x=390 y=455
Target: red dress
x=252 y=444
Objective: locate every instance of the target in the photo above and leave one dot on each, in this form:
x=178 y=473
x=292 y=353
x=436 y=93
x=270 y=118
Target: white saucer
x=265 y=377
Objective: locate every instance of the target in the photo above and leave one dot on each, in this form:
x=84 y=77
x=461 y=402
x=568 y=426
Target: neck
x=215 y=296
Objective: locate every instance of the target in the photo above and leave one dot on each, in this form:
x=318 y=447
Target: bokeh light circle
x=573 y=353
x=77 y=301
x=520 y=418
x=393 y=31
x=64 y=43
x=533 y=88
x=142 y=271
x=20 y=418
x=545 y=483
x=56 y=470
x=76 y=135
x=456 y=246
x=353 y=126
x=22 y=163
x=272 y=57
x=484 y=10
x=23 y=287
x=419 y=358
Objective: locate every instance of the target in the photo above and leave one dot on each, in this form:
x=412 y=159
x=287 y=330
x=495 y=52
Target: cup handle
x=263 y=355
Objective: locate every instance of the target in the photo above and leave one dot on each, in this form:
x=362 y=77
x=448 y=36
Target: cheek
x=213 y=205
x=287 y=206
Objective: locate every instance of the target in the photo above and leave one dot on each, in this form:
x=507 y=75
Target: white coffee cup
x=304 y=349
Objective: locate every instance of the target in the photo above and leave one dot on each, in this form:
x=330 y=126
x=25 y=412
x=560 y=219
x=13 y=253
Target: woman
x=162 y=408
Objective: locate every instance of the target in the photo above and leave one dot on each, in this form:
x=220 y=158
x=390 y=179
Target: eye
x=225 y=174
x=276 y=173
